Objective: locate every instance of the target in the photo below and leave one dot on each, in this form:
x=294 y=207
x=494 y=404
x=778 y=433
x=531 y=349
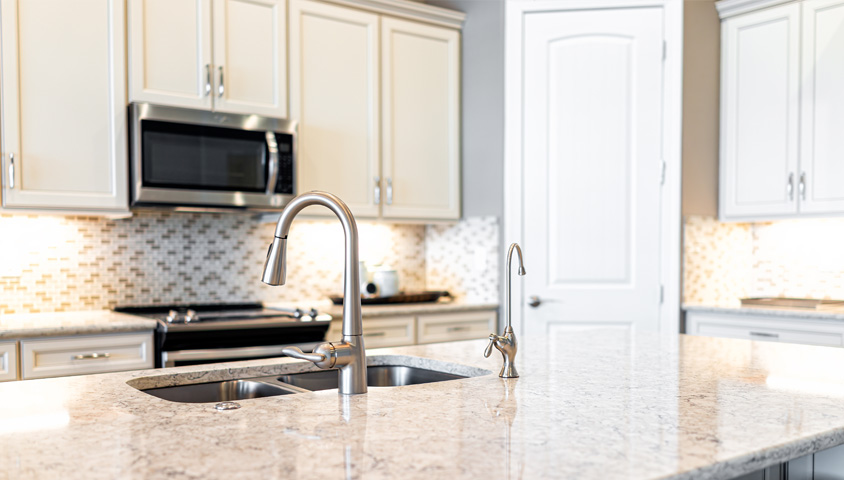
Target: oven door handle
x=272 y=177
x=213 y=355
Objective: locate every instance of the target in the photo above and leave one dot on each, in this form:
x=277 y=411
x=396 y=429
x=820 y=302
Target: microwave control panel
x=286 y=167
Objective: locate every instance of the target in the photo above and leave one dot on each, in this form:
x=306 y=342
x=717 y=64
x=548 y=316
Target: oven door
x=178 y=358
x=183 y=157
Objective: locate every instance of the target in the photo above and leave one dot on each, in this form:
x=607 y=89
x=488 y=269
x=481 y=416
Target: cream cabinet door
x=170 y=52
x=420 y=104
x=380 y=332
x=8 y=361
x=250 y=57
x=64 y=105
x=451 y=327
x=822 y=122
x=334 y=97
x=760 y=85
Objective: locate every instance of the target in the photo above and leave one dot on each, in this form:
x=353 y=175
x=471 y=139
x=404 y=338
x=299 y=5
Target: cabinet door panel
x=759 y=113
x=8 y=361
x=420 y=108
x=170 y=52
x=64 y=116
x=822 y=154
x=334 y=97
x=250 y=61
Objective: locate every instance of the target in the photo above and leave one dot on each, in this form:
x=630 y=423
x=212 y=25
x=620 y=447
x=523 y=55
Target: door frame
x=671 y=216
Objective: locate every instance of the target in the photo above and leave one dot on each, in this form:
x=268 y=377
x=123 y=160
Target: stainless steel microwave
x=188 y=158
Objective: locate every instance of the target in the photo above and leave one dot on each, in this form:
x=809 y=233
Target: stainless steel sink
x=376 y=376
x=219 y=391
x=257 y=387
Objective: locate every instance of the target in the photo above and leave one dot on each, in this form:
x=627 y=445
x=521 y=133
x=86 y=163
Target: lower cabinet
x=405 y=330
x=8 y=361
x=823 y=465
x=769 y=328
x=85 y=354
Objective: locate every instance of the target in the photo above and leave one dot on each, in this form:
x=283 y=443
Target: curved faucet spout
x=348 y=354
x=275 y=266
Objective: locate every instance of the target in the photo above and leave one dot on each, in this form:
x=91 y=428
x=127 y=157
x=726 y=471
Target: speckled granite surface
x=768 y=311
x=27 y=325
x=593 y=405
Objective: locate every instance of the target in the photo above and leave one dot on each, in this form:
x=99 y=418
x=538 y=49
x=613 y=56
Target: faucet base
x=508 y=371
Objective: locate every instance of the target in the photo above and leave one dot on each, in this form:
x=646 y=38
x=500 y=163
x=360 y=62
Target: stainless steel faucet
x=506 y=344
x=348 y=354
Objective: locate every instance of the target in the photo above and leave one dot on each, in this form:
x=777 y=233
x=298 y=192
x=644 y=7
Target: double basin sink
x=230 y=390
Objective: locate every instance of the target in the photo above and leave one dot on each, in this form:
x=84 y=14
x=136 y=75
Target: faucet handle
x=488 y=351
x=296 y=352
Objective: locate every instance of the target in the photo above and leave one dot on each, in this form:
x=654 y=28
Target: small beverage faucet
x=506 y=344
x=349 y=353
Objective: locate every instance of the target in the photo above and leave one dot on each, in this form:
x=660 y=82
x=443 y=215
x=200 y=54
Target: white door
x=170 y=52
x=760 y=113
x=420 y=68
x=334 y=97
x=64 y=105
x=822 y=141
x=250 y=57
x=592 y=161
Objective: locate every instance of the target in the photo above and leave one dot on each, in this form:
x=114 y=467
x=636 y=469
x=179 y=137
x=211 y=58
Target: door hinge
x=662 y=172
x=661 y=294
x=664 y=50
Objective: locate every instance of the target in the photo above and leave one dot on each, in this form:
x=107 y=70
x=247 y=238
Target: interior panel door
x=592 y=165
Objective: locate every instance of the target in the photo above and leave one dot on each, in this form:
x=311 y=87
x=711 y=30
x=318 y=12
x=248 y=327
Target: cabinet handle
x=789 y=187
x=207 y=79
x=221 y=88
x=11 y=171
x=389 y=191
x=377 y=190
x=374 y=334
x=91 y=356
x=802 y=186
x=458 y=329
x=764 y=334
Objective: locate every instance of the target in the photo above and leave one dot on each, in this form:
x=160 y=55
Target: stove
x=210 y=333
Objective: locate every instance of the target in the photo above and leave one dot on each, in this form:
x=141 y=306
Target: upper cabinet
x=822 y=141
x=420 y=77
x=225 y=55
x=64 y=106
x=782 y=109
x=377 y=100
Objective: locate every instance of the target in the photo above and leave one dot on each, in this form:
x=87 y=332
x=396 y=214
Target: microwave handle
x=272 y=147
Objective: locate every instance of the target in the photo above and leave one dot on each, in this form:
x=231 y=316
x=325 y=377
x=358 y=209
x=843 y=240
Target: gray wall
x=701 y=79
x=482 y=105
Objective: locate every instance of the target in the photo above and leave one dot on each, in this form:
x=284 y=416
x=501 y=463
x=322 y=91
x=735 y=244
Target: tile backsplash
x=724 y=262
x=64 y=263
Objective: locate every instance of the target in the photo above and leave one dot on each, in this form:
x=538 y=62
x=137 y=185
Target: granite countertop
x=600 y=404
x=27 y=325
x=392 y=310
x=809 y=314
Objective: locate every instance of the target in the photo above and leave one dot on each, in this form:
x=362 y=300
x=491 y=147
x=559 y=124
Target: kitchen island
x=602 y=404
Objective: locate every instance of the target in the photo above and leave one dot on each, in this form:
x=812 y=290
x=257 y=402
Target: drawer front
x=8 y=361
x=58 y=357
x=768 y=329
x=380 y=332
x=456 y=326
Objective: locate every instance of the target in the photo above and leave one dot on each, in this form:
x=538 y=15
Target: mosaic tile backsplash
x=463 y=259
x=791 y=258
x=65 y=263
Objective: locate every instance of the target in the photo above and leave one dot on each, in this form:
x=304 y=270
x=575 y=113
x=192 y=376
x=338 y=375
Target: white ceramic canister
x=387 y=281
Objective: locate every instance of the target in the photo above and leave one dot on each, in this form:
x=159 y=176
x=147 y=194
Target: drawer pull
x=763 y=334
x=458 y=329
x=91 y=356
x=374 y=334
